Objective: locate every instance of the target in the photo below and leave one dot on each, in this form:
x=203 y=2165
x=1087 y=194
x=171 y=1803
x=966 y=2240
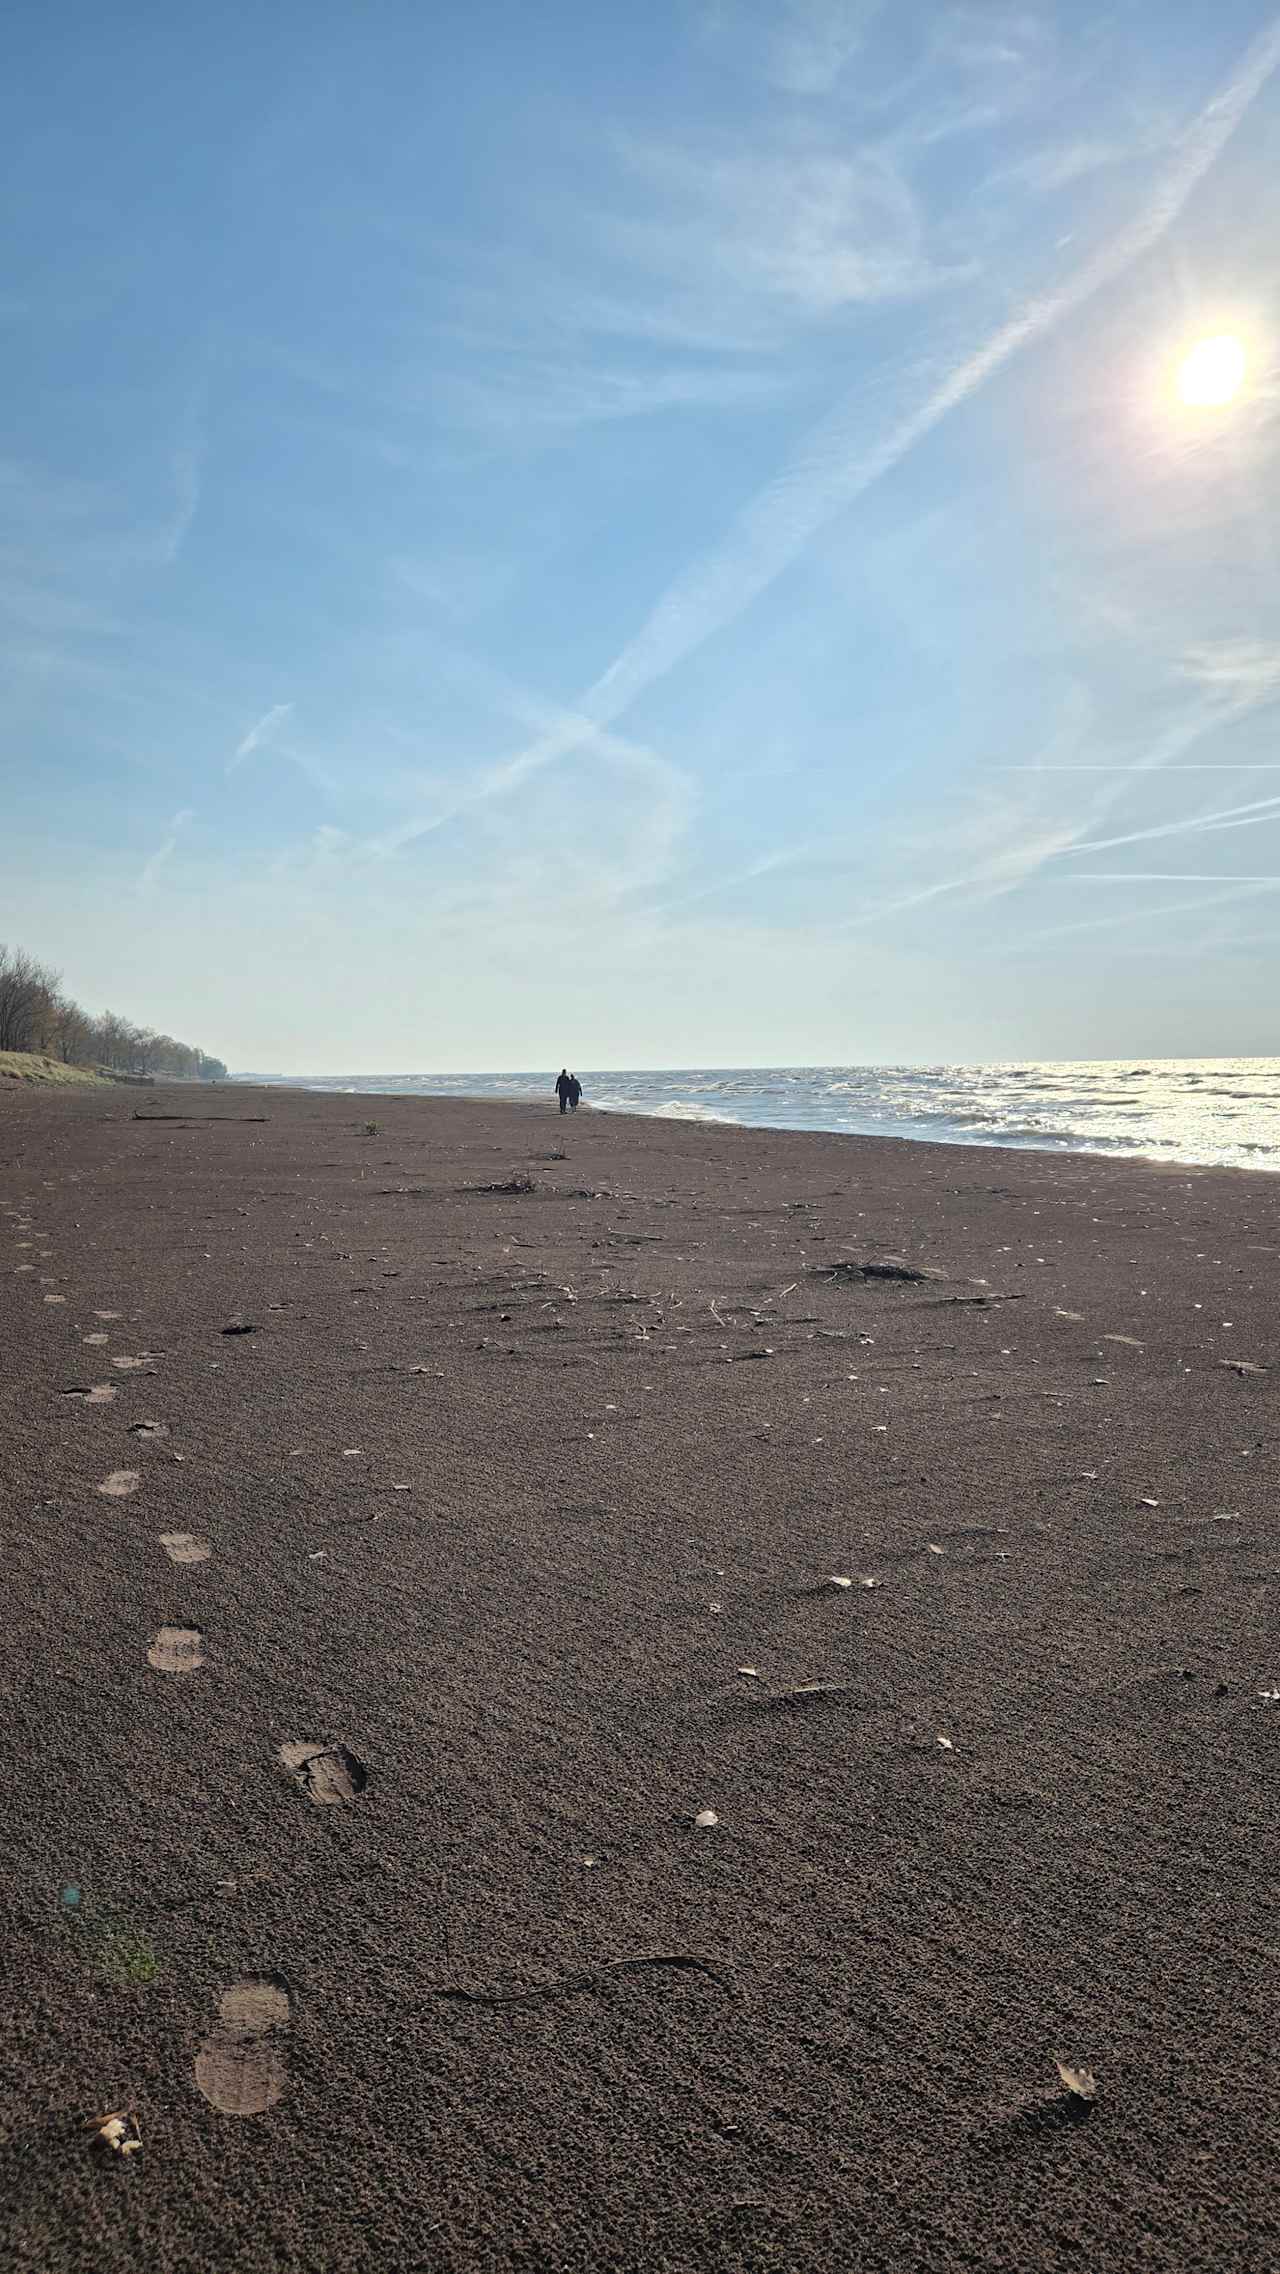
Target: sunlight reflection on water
x=1204 y=1110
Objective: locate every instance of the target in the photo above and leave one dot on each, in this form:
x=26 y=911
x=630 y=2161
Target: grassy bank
x=29 y=1066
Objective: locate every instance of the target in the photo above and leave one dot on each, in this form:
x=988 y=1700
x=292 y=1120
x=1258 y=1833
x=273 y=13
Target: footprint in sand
x=185 y=1547
x=95 y=1339
x=134 y=1365
x=176 y=1650
x=107 y=1314
x=100 y=1393
x=241 y=2067
x=120 y=1483
x=326 y=1773
x=146 y=1430
x=55 y=1298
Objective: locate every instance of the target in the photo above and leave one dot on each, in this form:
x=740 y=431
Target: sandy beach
x=409 y=1531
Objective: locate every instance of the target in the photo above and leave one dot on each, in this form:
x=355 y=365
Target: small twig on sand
x=679 y=1959
x=934 y=1302
x=802 y=1693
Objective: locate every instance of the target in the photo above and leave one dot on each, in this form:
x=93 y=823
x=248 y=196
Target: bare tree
x=28 y=992
x=73 y=1039
x=36 y=1015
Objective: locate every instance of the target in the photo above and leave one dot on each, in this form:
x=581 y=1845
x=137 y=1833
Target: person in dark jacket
x=575 y=1092
x=564 y=1088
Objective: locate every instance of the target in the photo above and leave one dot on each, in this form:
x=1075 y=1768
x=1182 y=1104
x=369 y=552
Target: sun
x=1211 y=375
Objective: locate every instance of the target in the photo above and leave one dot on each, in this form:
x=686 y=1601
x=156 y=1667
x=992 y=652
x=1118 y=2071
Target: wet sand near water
x=595 y=1693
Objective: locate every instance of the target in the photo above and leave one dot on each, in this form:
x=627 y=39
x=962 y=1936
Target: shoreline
x=1188 y=1116
x=489 y=1449
x=482 y=1100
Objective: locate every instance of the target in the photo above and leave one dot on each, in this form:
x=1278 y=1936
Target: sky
x=643 y=536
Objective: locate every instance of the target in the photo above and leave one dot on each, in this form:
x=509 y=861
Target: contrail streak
x=826 y=476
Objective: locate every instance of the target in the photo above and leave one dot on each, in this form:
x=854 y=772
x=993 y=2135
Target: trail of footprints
x=241 y=2068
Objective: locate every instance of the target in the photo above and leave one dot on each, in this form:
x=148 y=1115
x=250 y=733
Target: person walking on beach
x=564 y=1087
x=575 y=1092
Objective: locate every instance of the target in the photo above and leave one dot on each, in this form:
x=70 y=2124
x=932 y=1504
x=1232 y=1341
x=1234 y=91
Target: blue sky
x=655 y=536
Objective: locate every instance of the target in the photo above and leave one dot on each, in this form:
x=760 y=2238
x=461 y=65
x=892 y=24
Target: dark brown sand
x=364 y=1674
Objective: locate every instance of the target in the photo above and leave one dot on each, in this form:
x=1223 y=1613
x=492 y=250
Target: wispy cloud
x=800 y=48
x=1164 y=876
x=260 y=735
x=1234 y=815
x=632 y=836
x=149 y=874
x=813 y=230
x=186 y=468
x=1241 y=668
x=1195 y=766
x=842 y=459
x=1238 y=892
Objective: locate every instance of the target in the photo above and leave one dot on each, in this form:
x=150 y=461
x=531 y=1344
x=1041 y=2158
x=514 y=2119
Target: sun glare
x=1211 y=375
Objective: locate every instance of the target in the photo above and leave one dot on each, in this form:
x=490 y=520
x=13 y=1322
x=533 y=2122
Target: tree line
x=36 y=1015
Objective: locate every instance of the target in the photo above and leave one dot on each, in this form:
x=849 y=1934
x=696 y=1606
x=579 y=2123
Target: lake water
x=1223 y=1110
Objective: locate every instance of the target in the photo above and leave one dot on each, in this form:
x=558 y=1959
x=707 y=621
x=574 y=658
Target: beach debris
x=200 y=1116
x=1225 y=1516
x=1089 y=1475
x=803 y=1694
x=1130 y=1341
x=947 y=1743
x=120 y=1483
x=1080 y=2082
x=326 y=1773
x=176 y=1650
x=1270 y=1697
x=885 y=1267
x=1147 y=1502
x=55 y=1298
x=837 y=1579
x=682 y=1961
x=1240 y=1366
x=705 y=1820
x=589 y=1862
x=749 y=1673
x=185 y=1547
x=117 y=2133
x=934 y=1549
x=352 y=1452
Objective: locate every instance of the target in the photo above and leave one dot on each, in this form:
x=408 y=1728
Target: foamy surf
x=1214 y=1112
